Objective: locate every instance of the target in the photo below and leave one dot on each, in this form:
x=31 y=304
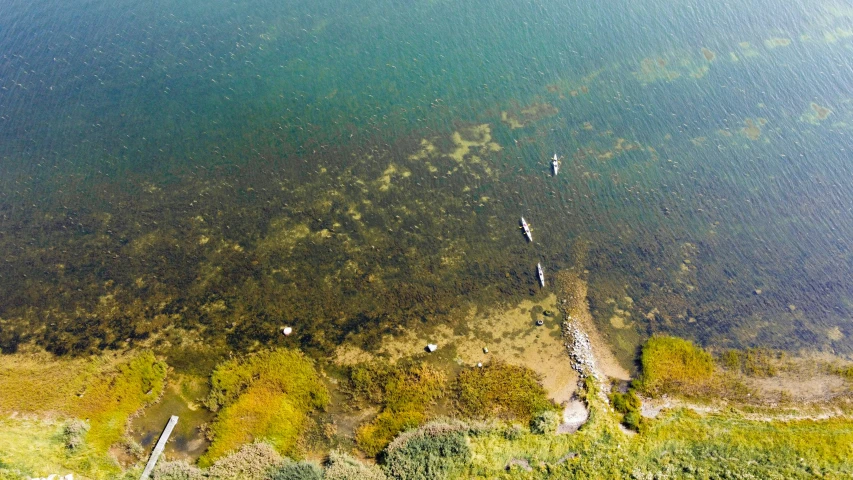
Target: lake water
x=208 y=172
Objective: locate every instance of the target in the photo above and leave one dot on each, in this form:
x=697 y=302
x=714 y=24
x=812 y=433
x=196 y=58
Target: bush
x=296 y=471
x=407 y=394
x=501 y=390
x=344 y=467
x=632 y=420
x=177 y=470
x=74 y=434
x=513 y=432
x=545 y=422
x=251 y=462
x=628 y=404
x=264 y=396
x=421 y=455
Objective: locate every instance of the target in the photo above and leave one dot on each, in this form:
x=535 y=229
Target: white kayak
x=541 y=274
x=526 y=228
x=555 y=164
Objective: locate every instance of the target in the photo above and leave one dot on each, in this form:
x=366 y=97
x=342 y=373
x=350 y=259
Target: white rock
x=287 y=330
x=432 y=347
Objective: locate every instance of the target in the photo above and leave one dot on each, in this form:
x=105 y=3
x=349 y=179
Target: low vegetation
x=266 y=396
x=110 y=400
x=263 y=402
x=752 y=362
x=500 y=390
x=433 y=452
x=405 y=393
x=628 y=405
x=92 y=400
x=672 y=365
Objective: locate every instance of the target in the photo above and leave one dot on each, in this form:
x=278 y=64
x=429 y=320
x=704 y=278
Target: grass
x=674 y=365
x=266 y=396
x=32 y=447
x=104 y=390
x=25 y=378
x=678 y=444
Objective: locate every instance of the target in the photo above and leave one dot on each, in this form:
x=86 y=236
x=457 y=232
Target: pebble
x=580 y=350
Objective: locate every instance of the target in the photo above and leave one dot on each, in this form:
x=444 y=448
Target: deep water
x=207 y=172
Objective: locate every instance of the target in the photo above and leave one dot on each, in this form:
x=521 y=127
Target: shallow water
x=226 y=169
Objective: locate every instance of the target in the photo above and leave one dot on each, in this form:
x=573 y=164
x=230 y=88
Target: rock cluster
x=579 y=348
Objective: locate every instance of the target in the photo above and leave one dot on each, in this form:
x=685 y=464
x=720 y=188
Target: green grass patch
x=265 y=396
x=500 y=390
x=674 y=365
x=37 y=448
x=678 y=444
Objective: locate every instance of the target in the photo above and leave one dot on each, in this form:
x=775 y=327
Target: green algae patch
x=501 y=390
x=265 y=396
x=405 y=393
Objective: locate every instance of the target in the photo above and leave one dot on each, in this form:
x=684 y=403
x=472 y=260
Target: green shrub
x=545 y=422
x=295 y=471
x=513 y=432
x=344 y=467
x=266 y=396
x=625 y=402
x=632 y=420
x=74 y=434
x=628 y=404
x=177 y=470
x=501 y=390
x=425 y=455
x=252 y=462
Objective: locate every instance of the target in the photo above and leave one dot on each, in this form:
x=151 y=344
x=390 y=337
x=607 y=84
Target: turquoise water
x=225 y=168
